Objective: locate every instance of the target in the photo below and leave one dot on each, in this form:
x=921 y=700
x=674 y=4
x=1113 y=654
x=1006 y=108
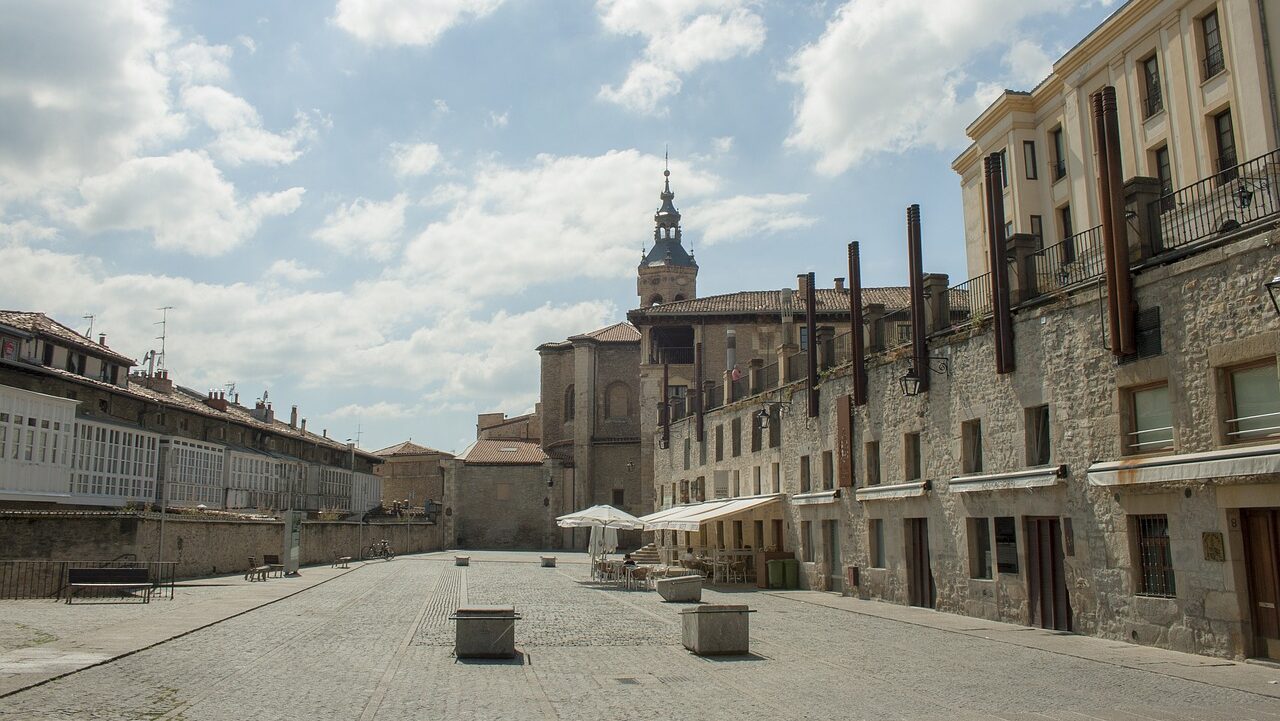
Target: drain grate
x=628 y=681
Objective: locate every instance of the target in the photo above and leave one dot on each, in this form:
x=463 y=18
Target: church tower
x=668 y=272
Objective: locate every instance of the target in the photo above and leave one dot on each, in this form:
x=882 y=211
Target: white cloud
x=414 y=159
x=563 y=217
x=746 y=216
x=182 y=199
x=498 y=120
x=381 y=409
x=407 y=22
x=196 y=62
x=240 y=136
x=892 y=75
x=1028 y=63
x=23 y=230
x=441 y=107
x=681 y=36
x=722 y=145
x=365 y=227
x=290 y=271
x=248 y=43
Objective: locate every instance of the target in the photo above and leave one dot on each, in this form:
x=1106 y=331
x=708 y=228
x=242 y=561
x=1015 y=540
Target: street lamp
x=913 y=381
x=1273 y=289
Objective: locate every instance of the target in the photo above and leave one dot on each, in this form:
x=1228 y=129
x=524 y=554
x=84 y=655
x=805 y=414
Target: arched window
x=655 y=299
x=568 y=403
x=617 y=400
x=679 y=297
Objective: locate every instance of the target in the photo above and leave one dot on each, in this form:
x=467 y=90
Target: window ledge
x=815 y=497
x=1235 y=461
x=1039 y=477
x=893 y=492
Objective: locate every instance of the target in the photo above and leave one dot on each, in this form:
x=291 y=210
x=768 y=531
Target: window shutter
x=844 y=441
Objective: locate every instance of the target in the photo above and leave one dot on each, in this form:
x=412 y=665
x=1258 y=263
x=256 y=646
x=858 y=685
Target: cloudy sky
x=376 y=209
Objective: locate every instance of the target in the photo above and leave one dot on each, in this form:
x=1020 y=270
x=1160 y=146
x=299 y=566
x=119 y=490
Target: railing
x=741 y=387
x=1073 y=260
x=1213 y=62
x=714 y=396
x=768 y=376
x=897 y=335
x=48 y=579
x=1059 y=168
x=972 y=298
x=797 y=366
x=679 y=408
x=1248 y=428
x=1161 y=438
x=840 y=350
x=1236 y=195
x=1153 y=104
x=672 y=355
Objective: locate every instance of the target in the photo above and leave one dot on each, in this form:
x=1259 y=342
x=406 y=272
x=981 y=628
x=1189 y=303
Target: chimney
x=324 y=432
x=217 y=401
x=293 y=417
x=840 y=285
x=304 y=426
x=802 y=286
x=102 y=339
x=236 y=399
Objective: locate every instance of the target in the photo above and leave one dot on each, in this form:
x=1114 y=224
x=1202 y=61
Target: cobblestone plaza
x=376 y=643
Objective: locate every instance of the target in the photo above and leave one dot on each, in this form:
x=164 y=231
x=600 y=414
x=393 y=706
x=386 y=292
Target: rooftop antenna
x=231 y=388
x=89 y=333
x=164 y=332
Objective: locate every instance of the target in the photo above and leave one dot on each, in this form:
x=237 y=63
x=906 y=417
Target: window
x=980 y=548
x=1254 y=402
x=619 y=497
x=702 y=452
x=687 y=443
x=735 y=437
x=568 y=403
x=1155 y=557
x=911 y=456
x=804 y=474
x=757 y=435
x=828 y=471
x=719 y=442
x=1068 y=241
x=1211 y=34
x=1154 y=100
x=48 y=354
x=755 y=481
x=804 y=337
x=775 y=426
x=806 y=536
x=1006 y=545
x=1037 y=231
x=875 y=542
x=1037 y=428
x=1008 y=230
x=1004 y=168
x=1059 y=155
x=1164 y=174
x=776 y=483
x=737 y=484
x=1150 y=419
x=904 y=332
x=1224 y=135
x=872 y=453
x=971 y=446
x=1029 y=158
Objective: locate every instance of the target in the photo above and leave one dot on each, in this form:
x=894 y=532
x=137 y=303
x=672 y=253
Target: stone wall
x=1214 y=313
x=500 y=506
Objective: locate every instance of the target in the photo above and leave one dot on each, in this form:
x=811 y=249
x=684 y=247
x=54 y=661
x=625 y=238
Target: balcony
x=1213 y=62
x=1236 y=195
x=671 y=355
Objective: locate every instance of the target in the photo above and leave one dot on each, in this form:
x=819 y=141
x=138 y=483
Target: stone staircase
x=646 y=556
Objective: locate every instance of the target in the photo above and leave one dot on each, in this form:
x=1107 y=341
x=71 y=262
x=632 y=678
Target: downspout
x=1125 y=308
x=914 y=262
x=1271 y=80
x=1000 y=268
x=1104 y=215
x=855 y=326
x=811 y=312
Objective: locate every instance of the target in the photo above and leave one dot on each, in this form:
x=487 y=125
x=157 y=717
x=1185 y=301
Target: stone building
x=411 y=472
x=76 y=428
x=1060 y=458
x=499 y=494
x=527 y=427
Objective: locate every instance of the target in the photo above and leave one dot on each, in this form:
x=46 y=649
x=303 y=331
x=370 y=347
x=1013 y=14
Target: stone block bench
x=485 y=632
x=716 y=630
x=679 y=589
x=548 y=561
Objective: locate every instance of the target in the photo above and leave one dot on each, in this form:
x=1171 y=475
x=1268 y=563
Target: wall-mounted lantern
x=914 y=379
x=1273 y=289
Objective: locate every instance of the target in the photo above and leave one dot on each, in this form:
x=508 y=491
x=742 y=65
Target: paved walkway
x=375 y=643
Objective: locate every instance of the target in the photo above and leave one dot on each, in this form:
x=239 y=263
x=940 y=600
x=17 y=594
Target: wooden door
x=1046 y=580
x=1262 y=556
x=920 y=588
x=836 y=580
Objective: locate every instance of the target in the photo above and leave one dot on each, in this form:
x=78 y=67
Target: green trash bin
x=776 y=573
x=792 y=568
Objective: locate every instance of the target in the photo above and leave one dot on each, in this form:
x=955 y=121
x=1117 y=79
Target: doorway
x=1046 y=580
x=1262 y=566
x=832 y=532
x=920 y=589
x=779 y=541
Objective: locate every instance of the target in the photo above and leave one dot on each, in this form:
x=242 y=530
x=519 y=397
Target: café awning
x=1242 y=461
x=690 y=518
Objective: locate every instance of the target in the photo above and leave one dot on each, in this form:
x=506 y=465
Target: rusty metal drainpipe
x=1000 y=272
x=1120 y=232
x=810 y=321
x=699 y=396
x=919 y=352
x=1104 y=214
x=856 y=339
x=990 y=166
x=664 y=410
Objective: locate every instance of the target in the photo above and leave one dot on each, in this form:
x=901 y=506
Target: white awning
x=1243 y=461
x=690 y=518
x=891 y=492
x=815 y=497
x=1012 y=480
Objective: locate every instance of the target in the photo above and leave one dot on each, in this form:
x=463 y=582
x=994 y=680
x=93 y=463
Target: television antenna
x=89 y=333
x=164 y=332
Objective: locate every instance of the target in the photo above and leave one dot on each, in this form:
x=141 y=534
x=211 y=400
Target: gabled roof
x=39 y=323
x=622 y=332
x=407 y=448
x=747 y=302
x=502 y=453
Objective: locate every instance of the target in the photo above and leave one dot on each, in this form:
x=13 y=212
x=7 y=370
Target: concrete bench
x=122 y=579
x=340 y=561
x=462 y=560
x=256 y=572
x=716 y=630
x=273 y=564
x=679 y=589
x=548 y=561
x=485 y=632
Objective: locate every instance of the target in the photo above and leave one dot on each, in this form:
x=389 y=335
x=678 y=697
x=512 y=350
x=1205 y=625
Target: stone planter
x=548 y=561
x=680 y=589
x=462 y=560
x=715 y=630
x=485 y=632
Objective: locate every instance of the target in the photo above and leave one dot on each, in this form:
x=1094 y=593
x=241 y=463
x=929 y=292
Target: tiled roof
x=829 y=300
x=44 y=325
x=503 y=453
x=622 y=332
x=407 y=448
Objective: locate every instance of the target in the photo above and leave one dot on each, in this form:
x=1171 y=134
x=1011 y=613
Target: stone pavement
x=375 y=644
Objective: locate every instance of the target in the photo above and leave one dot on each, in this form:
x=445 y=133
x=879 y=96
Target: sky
x=376 y=209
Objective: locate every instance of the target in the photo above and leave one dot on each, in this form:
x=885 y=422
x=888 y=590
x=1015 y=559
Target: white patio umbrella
x=604 y=522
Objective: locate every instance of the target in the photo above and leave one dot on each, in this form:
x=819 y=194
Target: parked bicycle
x=381 y=549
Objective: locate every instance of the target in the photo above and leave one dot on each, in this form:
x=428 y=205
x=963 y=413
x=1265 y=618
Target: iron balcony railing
x=1235 y=196
x=1247 y=428
x=741 y=387
x=674 y=355
x=714 y=396
x=971 y=299
x=1153 y=103
x=897 y=328
x=797 y=366
x=768 y=376
x=840 y=350
x=1213 y=62
x=1076 y=259
x=1159 y=439
x=1059 y=168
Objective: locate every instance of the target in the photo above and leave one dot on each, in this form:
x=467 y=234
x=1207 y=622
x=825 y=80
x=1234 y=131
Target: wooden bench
x=273 y=562
x=340 y=561
x=256 y=572
x=122 y=579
